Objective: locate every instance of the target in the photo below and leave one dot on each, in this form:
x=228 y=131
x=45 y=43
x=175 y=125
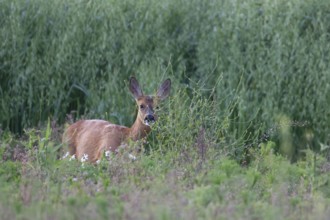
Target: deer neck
x=138 y=130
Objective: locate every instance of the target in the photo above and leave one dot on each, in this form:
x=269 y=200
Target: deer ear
x=134 y=87
x=164 y=89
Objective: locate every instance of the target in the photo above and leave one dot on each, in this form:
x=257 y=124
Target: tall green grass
x=263 y=60
x=183 y=175
x=250 y=79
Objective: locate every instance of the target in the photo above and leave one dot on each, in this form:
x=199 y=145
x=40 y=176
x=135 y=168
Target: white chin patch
x=148 y=123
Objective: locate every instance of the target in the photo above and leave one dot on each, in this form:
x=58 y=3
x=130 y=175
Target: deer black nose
x=149 y=118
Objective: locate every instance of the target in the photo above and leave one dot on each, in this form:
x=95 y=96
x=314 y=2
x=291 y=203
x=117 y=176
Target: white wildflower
x=131 y=156
x=66 y=155
x=73 y=157
x=84 y=158
x=107 y=154
x=98 y=161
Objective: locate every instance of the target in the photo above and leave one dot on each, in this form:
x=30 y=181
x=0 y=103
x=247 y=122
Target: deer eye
x=142 y=106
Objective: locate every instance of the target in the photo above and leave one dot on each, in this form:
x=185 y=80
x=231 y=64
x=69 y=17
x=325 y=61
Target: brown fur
x=93 y=137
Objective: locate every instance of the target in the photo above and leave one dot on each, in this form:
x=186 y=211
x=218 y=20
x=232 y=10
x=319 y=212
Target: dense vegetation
x=245 y=133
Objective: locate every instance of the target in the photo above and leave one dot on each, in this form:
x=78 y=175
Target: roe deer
x=90 y=138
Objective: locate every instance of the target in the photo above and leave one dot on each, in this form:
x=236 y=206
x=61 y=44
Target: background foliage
x=271 y=57
x=251 y=79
